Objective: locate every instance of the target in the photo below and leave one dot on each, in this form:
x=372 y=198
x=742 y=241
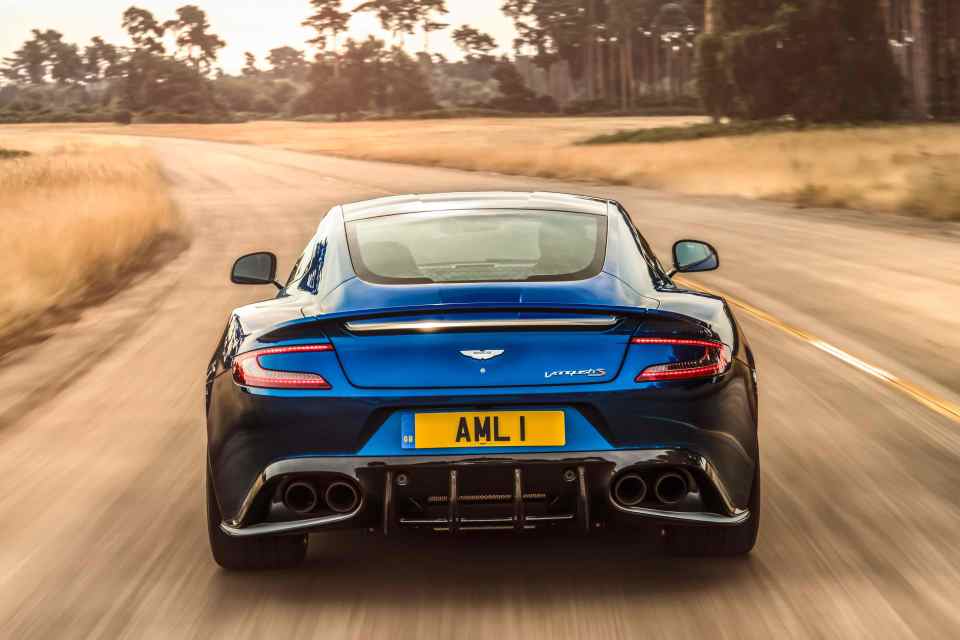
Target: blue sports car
x=480 y=361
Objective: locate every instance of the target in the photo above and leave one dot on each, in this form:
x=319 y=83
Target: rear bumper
x=587 y=504
x=253 y=437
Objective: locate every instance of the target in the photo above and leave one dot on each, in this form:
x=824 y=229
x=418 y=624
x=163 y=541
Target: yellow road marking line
x=943 y=407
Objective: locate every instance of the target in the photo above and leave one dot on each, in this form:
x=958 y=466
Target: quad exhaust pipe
x=341 y=497
x=630 y=490
x=669 y=488
x=302 y=497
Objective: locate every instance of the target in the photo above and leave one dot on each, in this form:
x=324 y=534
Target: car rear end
x=617 y=398
x=508 y=396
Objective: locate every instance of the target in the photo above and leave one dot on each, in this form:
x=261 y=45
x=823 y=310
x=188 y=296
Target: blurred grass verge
x=912 y=169
x=80 y=220
x=693 y=132
x=934 y=190
x=8 y=154
x=900 y=168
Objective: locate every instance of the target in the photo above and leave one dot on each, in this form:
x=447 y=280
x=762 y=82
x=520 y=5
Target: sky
x=246 y=25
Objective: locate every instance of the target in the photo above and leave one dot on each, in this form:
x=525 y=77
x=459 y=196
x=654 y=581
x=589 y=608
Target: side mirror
x=255 y=268
x=690 y=256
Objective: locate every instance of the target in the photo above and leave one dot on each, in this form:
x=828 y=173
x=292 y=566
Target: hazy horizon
x=243 y=24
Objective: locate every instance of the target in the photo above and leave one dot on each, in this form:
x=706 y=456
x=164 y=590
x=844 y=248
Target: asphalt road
x=101 y=445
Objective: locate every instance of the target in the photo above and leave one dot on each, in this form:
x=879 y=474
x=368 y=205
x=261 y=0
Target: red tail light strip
x=715 y=360
x=678 y=371
x=249 y=371
x=682 y=342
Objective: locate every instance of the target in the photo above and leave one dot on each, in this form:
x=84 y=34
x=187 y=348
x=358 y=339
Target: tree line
x=820 y=60
x=134 y=77
x=618 y=51
x=170 y=69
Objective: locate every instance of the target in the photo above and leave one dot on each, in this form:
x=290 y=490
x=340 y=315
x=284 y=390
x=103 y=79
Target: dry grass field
x=912 y=169
x=79 y=217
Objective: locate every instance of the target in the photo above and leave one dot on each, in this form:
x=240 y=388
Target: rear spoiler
x=426 y=326
x=438 y=318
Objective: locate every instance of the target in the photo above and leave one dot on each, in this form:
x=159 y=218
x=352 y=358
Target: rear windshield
x=478 y=246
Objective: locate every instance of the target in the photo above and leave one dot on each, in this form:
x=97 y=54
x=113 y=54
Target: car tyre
x=715 y=541
x=250 y=554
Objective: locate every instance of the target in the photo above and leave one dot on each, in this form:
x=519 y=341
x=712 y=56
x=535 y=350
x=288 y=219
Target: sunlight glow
x=246 y=25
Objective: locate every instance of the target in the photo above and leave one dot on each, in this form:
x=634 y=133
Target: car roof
x=418 y=203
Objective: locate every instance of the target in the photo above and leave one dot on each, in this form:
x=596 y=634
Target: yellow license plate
x=496 y=429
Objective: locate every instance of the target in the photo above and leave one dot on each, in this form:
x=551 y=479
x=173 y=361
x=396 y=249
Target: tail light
x=714 y=360
x=250 y=372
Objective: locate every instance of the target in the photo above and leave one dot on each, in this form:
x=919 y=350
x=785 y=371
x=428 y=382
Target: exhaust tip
x=630 y=490
x=301 y=497
x=671 y=488
x=341 y=497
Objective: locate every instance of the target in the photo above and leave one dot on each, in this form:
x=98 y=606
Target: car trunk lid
x=483 y=349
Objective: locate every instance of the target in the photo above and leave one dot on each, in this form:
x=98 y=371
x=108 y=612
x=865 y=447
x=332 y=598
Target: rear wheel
x=719 y=541
x=250 y=554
